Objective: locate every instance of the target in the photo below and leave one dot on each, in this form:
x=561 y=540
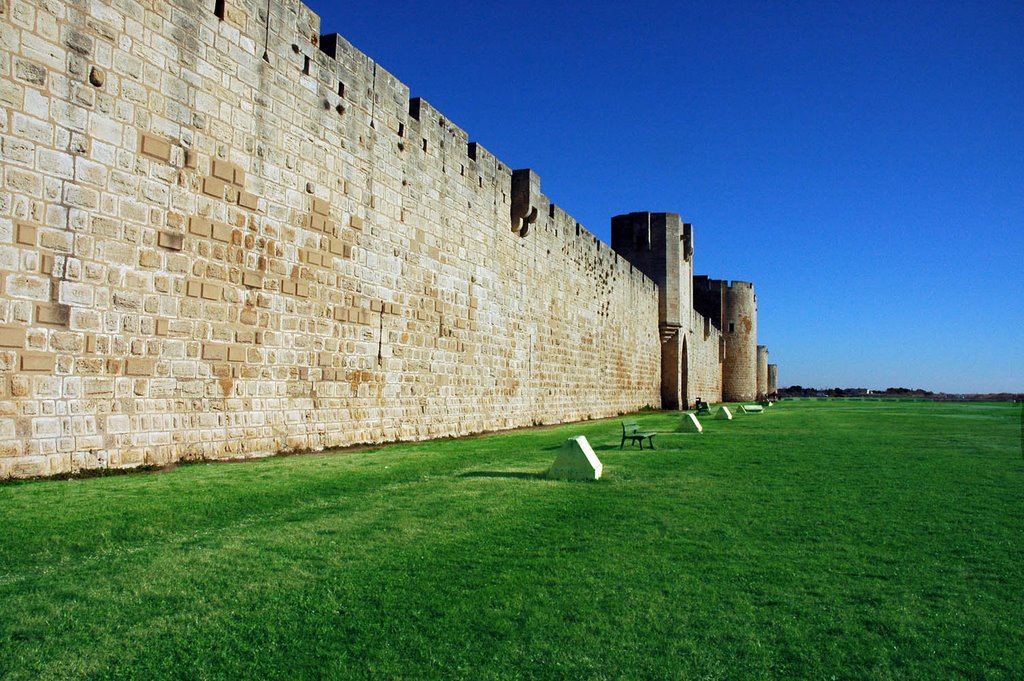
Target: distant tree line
x=800 y=391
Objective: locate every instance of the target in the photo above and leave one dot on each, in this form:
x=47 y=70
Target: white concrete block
x=576 y=461
x=691 y=424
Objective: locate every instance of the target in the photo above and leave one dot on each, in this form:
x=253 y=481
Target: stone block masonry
x=206 y=253
x=224 y=235
x=762 y=372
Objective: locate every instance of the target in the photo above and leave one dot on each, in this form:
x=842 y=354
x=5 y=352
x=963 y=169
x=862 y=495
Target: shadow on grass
x=504 y=474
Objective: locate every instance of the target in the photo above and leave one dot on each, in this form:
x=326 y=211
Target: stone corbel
x=526 y=198
x=668 y=331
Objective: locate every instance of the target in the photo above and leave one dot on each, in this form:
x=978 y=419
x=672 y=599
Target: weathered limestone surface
x=739 y=371
x=732 y=308
x=705 y=352
x=209 y=254
x=661 y=246
x=762 y=372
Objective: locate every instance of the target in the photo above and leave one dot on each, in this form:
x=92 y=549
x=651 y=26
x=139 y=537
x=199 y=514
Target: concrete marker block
x=724 y=414
x=691 y=424
x=576 y=461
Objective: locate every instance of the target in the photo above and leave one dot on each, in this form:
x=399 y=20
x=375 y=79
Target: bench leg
x=650 y=441
x=623 y=443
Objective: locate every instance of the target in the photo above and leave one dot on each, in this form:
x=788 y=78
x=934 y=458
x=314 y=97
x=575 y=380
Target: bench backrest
x=629 y=427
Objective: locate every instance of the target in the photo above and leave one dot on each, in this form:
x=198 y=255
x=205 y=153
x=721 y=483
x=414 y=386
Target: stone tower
x=733 y=309
x=773 y=379
x=661 y=246
x=762 y=371
x=739 y=372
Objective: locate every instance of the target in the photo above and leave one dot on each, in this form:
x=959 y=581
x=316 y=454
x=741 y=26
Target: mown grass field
x=817 y=540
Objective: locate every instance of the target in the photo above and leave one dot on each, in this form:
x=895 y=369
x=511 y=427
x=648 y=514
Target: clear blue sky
x=861 y=162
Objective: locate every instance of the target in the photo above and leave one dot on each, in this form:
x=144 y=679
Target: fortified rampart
x=225 y=235
x=762 y=372
x=733 y=308
x=739 y=372
x=661 y=246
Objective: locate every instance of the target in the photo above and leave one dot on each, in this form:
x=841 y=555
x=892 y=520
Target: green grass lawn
x=817 y=540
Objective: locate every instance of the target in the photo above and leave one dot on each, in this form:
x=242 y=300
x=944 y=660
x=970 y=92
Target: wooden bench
x=631 y=432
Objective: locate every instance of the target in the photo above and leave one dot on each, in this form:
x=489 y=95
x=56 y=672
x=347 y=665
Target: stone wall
x=762 y=371
x=739 y=371
x=221 y=237
x=732 y=308
x=705 y=348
